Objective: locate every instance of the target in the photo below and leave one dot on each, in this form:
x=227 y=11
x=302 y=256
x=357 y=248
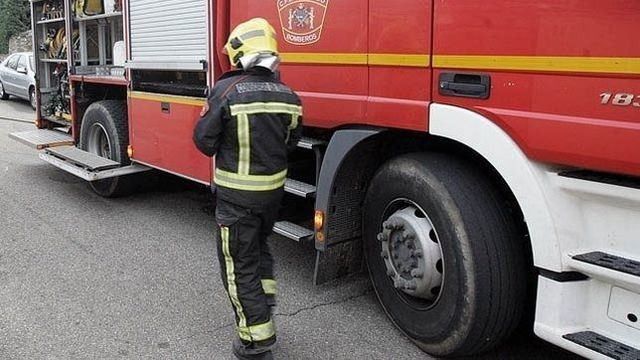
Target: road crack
x=329 y=303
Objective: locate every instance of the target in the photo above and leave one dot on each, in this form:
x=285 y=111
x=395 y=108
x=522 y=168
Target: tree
x=15 y=17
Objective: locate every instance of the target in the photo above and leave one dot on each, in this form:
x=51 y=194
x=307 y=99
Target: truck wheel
x=443 y=254
x=3 y=94
x=105 y=133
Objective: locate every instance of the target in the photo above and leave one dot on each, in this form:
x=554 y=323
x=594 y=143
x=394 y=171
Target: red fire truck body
x=505 y=132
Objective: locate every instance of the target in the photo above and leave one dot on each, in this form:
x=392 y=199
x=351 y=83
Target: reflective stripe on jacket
x=251 y=122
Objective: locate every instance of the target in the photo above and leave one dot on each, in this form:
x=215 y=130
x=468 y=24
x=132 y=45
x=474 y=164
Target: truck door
x=324 y=48
x=22 y=77
x=563 y=75
x=399 y=63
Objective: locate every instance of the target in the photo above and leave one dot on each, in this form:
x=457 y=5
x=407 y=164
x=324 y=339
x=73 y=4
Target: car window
x=32 y=63
x=22 y=62
x=13 y=62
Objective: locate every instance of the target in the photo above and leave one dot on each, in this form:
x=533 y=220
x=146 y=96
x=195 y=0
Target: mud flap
x=338 y=260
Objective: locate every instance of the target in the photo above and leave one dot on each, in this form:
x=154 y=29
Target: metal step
x=611 y=262
x=604 y=345
x=309 y=143
x=82 y=158
x=299 y=188
x=42 y=138
x=292 y=231
x=87 y=166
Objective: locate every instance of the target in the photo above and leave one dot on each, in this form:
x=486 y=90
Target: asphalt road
x=82 y=277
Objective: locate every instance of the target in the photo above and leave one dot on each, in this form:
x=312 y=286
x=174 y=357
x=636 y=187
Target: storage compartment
x=96 y=28
x=187 y=83
x=160 y=124
x=168 y=37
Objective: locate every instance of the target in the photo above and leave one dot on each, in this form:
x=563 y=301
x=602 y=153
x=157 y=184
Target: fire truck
x=481 y=159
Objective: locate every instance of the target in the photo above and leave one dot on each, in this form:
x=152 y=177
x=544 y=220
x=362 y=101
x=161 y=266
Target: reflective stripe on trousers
x=251 y=333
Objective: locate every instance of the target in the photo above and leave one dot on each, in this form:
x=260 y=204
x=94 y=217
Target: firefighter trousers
x=246 y=266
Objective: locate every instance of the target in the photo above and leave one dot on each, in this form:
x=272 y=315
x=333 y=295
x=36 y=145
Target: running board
x=42 y=138
x=292 y=231
x=87 y=166
x=612 y=262
x=299 y=188
x=604 y=345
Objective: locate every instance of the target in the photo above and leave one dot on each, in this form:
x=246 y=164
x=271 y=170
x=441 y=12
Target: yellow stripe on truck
x=612 y=65
x=608 y=65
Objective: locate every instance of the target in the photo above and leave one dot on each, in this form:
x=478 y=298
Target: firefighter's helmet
x=254 y=37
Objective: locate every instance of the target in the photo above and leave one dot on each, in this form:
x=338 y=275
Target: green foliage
x=15 y=17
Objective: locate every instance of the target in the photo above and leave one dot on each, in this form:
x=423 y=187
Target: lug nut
x=382 y=237
x=391 y=273
x=411 y=285
x=417 y=273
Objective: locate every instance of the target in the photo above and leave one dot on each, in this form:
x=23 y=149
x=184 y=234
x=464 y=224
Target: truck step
x=604 y=345
x=610 y=261
x=299 y=188
x=309 y=143
x=87 y=166
x=42 y=138
x=292 y=231
x=82 y=158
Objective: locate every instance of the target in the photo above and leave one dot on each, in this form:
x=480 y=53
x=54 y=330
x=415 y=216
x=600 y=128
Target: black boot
x=251 y=352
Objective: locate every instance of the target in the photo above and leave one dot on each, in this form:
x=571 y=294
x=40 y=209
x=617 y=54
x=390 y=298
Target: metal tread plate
x=309 y=143
x=299 y=188
x=92 y=175
x=292 y=231
x=604 y=345
x=611 y=262
x=42 y=138
x=82 y=158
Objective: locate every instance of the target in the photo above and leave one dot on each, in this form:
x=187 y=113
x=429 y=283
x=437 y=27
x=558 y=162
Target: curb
x=17 y=120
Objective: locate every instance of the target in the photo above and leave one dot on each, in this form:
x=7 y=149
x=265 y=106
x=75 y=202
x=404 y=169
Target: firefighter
x=250 y=122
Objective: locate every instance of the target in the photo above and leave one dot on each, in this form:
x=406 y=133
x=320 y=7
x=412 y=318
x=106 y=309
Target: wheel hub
x=98 y=141
x=412 y=253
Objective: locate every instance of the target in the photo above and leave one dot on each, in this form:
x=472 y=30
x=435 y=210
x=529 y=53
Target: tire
x=3 y=93
x=32 y=97
x=105 y=132
x=480 y=297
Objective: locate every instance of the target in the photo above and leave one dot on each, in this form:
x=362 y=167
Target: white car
x=18 y=78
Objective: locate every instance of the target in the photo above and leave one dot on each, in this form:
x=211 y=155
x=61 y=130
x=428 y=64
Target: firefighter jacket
x=250 y=122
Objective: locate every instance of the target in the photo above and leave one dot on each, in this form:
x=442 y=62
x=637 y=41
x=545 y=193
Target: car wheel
x=443 y=254
x=32 y=97
x=104 y=132
x=3 y=94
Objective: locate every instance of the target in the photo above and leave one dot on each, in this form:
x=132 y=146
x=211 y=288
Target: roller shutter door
x=168 y=34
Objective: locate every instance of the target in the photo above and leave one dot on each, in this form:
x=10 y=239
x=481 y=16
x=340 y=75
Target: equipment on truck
x=88 y=7
x=483 y=167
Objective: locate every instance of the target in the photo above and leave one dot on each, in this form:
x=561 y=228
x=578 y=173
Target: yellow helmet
x=255 y=36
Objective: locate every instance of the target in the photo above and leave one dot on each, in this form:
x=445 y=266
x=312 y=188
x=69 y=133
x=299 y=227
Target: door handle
x=465 y=85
